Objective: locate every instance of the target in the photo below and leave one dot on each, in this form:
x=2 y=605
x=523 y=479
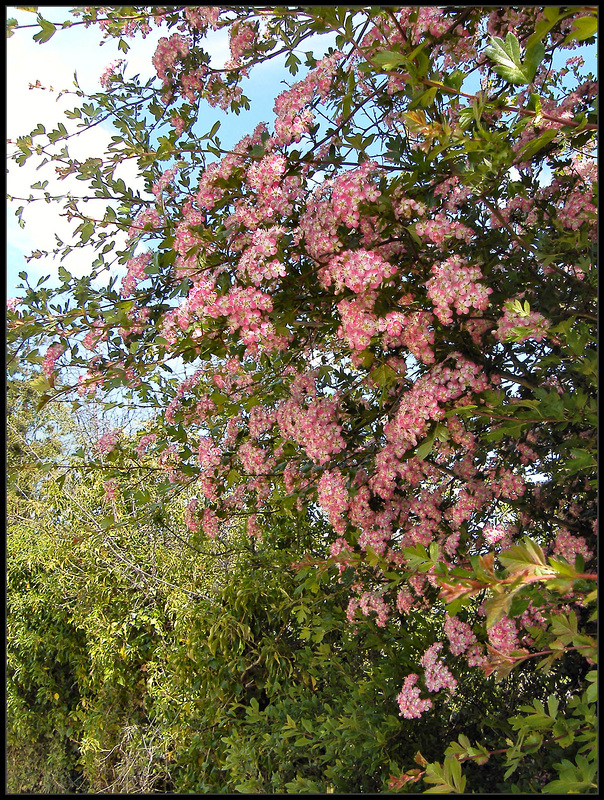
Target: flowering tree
x=386 y=303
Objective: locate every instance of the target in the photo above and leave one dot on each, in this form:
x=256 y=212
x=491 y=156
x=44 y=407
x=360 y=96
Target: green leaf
x=383 y=376
x=508 y=64
x=388 y=60
x=532 y=148
x=86 y=231
x=583 y=28
x=48 y=30
x=526 y=557
x=425 y=447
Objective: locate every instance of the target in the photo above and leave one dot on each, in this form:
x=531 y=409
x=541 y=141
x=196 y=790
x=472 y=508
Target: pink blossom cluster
x=460 y=435
x=532 y=325
x=178 y=123
x=507 y=484
x=94 y=335
x=333 y=498
x=137 y=321
x=455 y=286
x=413 y=331
x=454 y=192
x=437 y=675
x=430 y=19
x=253 y=528
x=88 y=383
x=109 y=72
x=247 y=309
x=406 y=207
x=208 y=454
x=470 y=498
x=575 y=204
x=266 y=174
x=241 y=38
x=209 y=190
x=477 y=328
x=111 y=486
x=475 y=656
x=255 y=460
x=148 y=219
x=440 y=228
x=569 y=546
x=164 y=181
x=527 y=454
x=503 y=635
x=108 y=441
x=373 y=601
x=135 y=272
x=532 y=617
x=577 y=209
x=169 y=459
x=167 y=54
x=184 y=237
x=314 y=426
x=509 y=212
x=210 y=523
x=257 y=261
x=460 y=635
x=260 y=421
x=409 y=701
x=404 y=601
x=356 y=269
x=191 y=518
x=12 y=303
x=508 y=19
x=200 y=17
x=145 y=441
x=169 y=326
x=422 y=402
x=358 y=322
x=336 y=202
x=50 y=358
x=231 y=431
x=500 y=535
x=338 y=550
x=382 y=32
x=292 y=118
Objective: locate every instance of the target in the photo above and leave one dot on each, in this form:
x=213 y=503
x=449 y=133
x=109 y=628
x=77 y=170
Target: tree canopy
x=384 y=304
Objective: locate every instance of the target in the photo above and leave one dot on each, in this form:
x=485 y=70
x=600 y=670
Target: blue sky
x=53 y=63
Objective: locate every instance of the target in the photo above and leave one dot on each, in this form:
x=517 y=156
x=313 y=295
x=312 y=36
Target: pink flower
x=437 y=675
x=569 y=546
x=460 y=635
x=109 y=72
x=50 y=358
x=108 y=441
x=503 y=635
x=111 y=487
x=409 y=701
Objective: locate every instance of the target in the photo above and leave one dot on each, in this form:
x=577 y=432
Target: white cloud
x=53 y=64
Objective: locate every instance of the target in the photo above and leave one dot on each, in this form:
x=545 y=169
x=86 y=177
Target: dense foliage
x=353 y=548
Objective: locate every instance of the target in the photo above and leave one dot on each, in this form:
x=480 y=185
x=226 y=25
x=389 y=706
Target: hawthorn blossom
x=437 y=675
x=532 y=325
x=409 y=701
x=191 y=519
x=50 y=358
x=460 y=635
x=108 y=441
x=503 y=635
